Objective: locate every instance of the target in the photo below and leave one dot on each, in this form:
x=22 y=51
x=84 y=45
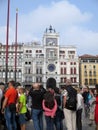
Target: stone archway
x=51 y=83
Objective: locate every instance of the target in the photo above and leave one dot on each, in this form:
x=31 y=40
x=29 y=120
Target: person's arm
x=4 y=104
x=64 y=95
x=54 y=109
x=20 y=102
x=45 y=108
x=20 y=106
x=64 y=101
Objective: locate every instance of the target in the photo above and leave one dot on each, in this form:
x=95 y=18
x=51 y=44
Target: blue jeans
x=37 y=116
x=49 y=123
x=10 y=119
x=58 y=124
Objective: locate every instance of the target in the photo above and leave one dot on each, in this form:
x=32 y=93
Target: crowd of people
x=57 y=105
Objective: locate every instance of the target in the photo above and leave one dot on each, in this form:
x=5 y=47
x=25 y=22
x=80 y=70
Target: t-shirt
x=65 y=93
x=37 y=98
x=12 y=95
x=79 y=101
x=22 y=99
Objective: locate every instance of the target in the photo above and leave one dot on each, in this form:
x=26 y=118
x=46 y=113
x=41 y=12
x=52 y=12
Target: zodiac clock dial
x=51 y=67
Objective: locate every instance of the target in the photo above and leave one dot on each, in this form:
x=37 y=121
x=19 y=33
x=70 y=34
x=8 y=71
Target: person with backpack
x=70 y=105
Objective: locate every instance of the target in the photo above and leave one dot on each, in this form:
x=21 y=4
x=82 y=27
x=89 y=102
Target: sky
x=76 y=21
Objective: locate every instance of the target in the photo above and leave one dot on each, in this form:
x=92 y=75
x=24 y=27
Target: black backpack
x=71 y=102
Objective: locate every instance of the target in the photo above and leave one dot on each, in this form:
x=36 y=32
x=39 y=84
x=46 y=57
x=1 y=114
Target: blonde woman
x=22 y=109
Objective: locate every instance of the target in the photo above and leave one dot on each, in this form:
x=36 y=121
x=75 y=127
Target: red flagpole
x=16 y=43
x=7 y=40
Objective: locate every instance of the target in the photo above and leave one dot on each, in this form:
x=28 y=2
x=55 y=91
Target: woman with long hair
x=49 y=106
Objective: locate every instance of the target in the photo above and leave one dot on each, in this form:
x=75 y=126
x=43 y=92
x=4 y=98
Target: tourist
x=49 y=107
x=21 y=108
x=92 y=107
x=37 y=112
x=9 y=106
x=70 y=104
x=96 y=108
x=80 y=105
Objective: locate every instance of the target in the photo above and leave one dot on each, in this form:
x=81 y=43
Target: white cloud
x=85 y=40
x=65 y=17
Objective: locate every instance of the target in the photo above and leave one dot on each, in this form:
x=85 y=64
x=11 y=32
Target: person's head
x=85 y=89
x=49 y=100
x=21 y=90
x=78 y=90
x=91 y=91
x=36 y=86
x=11 y=83
x=68 y=82
x=18 y=88
x=51 y=90
x=17 y=84
x=2 y=87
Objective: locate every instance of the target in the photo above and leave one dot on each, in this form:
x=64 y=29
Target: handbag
x=28 y=115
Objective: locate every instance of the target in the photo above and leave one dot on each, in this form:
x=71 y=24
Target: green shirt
x=22 y=99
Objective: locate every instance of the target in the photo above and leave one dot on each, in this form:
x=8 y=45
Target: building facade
x=11 y=62
x=88 y=70
x=46 y=62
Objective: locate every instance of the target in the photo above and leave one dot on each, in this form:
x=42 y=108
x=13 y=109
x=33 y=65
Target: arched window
x=74 y=70
x=61 y=70
x=71 y=70
x=90 y=73
x=64 y=70
x=85 y=73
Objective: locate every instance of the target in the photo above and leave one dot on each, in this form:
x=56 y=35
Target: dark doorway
x=51 y=83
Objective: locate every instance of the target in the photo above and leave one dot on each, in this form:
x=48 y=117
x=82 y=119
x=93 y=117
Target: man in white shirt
x=79 y=110
x=70 y=115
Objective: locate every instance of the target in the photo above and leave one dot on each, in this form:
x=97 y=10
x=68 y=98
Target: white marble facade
x=39 y=62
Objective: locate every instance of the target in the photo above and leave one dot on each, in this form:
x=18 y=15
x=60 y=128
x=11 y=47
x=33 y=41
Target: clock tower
x=51 y=37
x=51 y=54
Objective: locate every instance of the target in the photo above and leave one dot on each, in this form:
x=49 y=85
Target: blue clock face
x=51 y=67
